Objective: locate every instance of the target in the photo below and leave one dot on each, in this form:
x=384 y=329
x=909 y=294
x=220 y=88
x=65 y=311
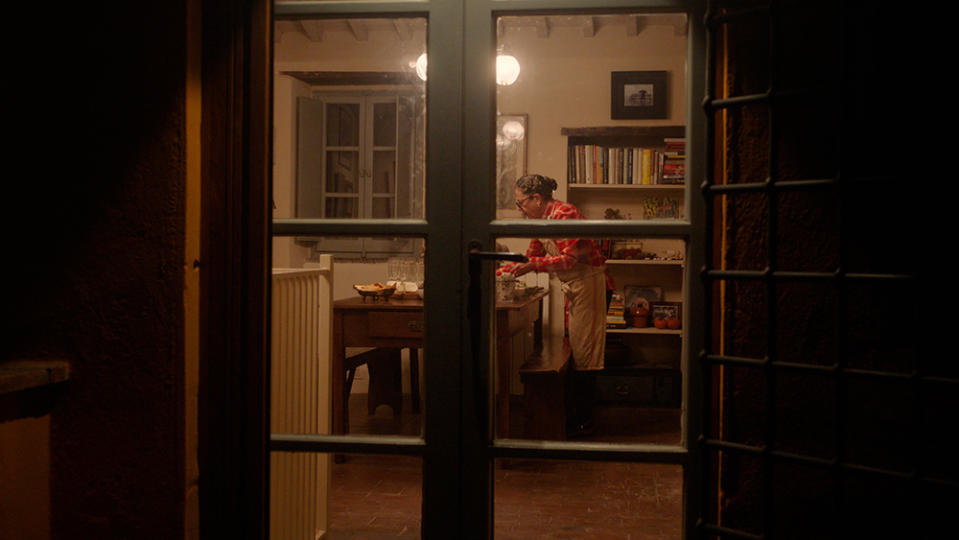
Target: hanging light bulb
x=421 y=67
x=507 y=69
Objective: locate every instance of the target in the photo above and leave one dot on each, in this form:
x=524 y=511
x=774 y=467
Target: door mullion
x=444 y=508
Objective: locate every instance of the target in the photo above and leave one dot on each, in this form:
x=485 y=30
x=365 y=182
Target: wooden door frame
x=234 y=269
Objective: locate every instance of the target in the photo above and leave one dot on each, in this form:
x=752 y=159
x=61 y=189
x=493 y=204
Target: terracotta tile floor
x=376 y=497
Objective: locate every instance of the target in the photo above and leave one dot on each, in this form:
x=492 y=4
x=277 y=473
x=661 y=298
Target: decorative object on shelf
x=613 y=213
x=640 y=316
x=511 y=130
x=667 y=315
x=639 y=299
x=638 y=94
x=661 y=208
x=627 y=249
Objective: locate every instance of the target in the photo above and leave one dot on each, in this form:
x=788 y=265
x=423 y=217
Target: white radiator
x=300 y=398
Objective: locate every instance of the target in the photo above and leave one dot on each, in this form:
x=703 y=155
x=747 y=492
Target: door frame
x=237 y=138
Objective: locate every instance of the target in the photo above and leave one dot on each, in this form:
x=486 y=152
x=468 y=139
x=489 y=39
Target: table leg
x=340 y=411
x=415 y=379
x=504 y=352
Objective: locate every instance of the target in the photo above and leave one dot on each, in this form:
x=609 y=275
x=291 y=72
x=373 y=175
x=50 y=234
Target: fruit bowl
x=374 y=291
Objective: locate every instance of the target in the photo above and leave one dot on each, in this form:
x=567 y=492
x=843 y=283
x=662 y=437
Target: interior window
x=350 y=119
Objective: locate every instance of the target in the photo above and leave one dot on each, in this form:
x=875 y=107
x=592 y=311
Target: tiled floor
x=376 y=497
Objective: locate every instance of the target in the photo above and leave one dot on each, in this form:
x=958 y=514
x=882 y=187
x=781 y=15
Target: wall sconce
x=507 y=68
x=513 y=130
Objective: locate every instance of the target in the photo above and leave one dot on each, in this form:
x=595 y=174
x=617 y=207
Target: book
x=647 y=171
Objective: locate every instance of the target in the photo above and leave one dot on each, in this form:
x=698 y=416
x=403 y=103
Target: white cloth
x=585 y=288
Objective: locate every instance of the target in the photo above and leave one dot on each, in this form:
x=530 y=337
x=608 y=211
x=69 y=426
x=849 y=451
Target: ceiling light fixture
x=507 y=68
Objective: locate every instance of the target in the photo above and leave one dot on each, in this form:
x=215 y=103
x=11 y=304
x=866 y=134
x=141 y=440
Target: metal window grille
x=915 y=382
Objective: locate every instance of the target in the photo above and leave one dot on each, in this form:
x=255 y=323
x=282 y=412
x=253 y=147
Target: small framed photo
x=666 y=310
x=638 y=94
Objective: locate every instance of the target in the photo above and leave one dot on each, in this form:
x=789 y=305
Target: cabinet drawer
x=653 y=390
x=399 y=324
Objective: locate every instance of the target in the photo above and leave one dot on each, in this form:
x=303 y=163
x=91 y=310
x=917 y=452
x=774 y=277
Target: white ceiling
x=589 y=25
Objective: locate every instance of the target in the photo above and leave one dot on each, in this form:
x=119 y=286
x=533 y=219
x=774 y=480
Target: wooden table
x=399 y=324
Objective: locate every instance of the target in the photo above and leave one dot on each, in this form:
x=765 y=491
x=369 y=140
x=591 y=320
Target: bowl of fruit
x=375 y=291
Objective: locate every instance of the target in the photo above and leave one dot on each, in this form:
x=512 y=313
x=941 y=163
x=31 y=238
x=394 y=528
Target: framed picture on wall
x=638 y=94
x=511 y=135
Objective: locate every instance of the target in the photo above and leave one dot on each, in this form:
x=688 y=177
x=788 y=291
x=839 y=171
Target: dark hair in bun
x=537 y=183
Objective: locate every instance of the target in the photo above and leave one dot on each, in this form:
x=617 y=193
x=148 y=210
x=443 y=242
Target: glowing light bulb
x=507 y=69
x=421 y=67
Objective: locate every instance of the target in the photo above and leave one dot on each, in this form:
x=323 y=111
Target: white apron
x=585 y=287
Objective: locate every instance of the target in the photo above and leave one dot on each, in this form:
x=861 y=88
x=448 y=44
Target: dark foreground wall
x=874 y=457
x=95 y=216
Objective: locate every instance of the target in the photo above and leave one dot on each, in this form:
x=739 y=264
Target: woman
x=580 y=266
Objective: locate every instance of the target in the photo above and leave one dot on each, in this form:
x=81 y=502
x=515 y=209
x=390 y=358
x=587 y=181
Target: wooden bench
x=544 y=390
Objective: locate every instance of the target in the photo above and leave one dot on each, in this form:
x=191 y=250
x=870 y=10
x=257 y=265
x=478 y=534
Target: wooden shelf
x=653 y=132
x=663 y=262
x=648 y=330
x=653 y=187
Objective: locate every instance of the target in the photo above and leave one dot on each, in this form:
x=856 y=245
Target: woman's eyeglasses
x=520 y=203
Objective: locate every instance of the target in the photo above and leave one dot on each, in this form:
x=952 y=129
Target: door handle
x=473 y=311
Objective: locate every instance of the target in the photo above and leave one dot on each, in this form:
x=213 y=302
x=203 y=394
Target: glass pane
x=346 y=496
x=346 y=90
x=376 y=497
x=342 y=172
x=600 y=359
x=568 y=499
x=384 y=172
x=384 y=124
x=365 y=378
x=382 y=207
x=342 y=124
x=612 y=133
x=341 y=207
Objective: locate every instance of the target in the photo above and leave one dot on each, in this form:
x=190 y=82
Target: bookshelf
x=639 y=168
x=625 y=156
x=645 y=357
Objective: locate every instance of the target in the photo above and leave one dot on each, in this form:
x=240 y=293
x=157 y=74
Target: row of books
x=597 y=164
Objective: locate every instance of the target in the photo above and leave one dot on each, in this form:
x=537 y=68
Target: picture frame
x=639 y=94
x=641 y=295
x=512 y=133
x=666 y=310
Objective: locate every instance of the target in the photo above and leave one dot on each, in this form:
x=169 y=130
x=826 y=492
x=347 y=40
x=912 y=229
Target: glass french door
x=462 y=439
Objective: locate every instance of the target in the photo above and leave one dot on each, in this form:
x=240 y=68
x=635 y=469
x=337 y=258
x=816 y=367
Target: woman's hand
x=523 y=268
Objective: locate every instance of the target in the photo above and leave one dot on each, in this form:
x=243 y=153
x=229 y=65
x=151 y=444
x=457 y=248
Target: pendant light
x=507 y=68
